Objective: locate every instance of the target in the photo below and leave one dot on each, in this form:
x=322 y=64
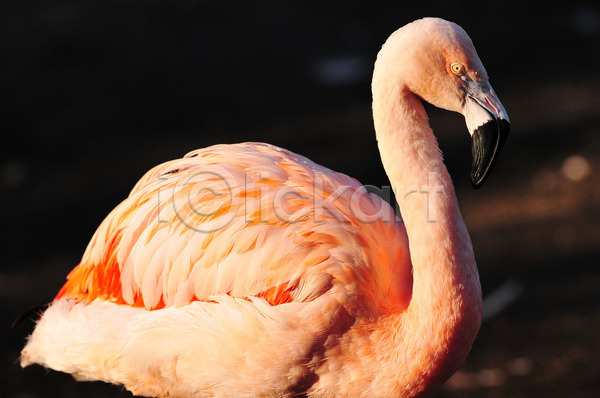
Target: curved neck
x=443 y=317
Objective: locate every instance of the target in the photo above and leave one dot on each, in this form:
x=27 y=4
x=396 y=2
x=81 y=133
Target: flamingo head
x=439 y=64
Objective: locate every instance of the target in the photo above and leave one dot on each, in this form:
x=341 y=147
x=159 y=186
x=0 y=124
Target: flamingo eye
x=457 y=69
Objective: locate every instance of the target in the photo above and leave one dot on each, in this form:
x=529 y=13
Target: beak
x=488 y=125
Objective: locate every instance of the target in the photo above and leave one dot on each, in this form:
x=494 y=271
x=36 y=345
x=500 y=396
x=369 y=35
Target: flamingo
x=248 y=270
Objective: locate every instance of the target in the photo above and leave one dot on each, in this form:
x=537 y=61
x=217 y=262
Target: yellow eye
x=457 y=69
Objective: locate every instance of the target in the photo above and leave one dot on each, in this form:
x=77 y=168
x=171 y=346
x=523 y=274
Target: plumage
x=248 y=270
x=163 y=245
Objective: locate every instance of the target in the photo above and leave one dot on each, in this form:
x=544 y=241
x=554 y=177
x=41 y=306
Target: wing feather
x=247 y=220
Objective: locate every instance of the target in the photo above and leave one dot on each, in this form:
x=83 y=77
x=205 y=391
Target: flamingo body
x=248 y=270
x=278 y=258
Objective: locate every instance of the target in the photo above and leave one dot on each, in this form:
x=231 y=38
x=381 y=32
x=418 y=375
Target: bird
x=248 y=270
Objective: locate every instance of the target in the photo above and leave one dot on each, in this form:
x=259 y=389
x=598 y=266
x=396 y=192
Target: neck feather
x=434 y=334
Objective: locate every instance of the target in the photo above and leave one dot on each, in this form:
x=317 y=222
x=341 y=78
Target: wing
x=247 y=220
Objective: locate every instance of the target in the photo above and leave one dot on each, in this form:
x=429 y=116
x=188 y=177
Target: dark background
x=95 y=93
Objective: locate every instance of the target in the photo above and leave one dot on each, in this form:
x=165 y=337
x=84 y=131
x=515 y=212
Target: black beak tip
x=487 y=141
x=476 y=183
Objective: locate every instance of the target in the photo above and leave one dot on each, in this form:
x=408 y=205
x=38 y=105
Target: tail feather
x=32 y=314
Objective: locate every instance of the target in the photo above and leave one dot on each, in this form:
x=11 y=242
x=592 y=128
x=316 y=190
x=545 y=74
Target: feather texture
x=198 y=227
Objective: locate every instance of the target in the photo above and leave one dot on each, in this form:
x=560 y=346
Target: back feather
x=247 y=220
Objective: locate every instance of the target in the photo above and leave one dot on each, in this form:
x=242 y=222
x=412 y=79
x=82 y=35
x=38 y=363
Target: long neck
x=435 y=333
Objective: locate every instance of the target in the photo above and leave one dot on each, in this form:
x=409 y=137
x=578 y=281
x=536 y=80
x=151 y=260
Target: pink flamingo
x=248 y=270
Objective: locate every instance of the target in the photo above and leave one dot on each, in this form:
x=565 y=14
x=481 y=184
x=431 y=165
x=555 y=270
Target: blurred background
x=95 y=93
